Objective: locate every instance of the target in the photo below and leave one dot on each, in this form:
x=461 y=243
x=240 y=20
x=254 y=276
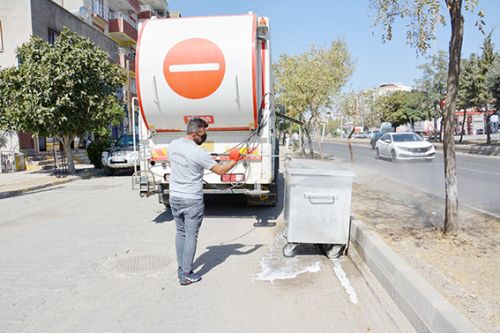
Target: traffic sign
x=194 y=68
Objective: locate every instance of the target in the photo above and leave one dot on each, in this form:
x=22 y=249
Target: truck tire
x=166 y=200
x=108 y=171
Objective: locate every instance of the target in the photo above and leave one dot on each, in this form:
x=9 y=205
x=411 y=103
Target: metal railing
x=147 y=8
x=125 y=17
x=99 y=9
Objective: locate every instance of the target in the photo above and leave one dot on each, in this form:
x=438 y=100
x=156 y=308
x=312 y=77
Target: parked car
x=404 y=146
x=120 y=156
x=370 y=134
x=479 y=131
x=361 y=135
x=375 y=137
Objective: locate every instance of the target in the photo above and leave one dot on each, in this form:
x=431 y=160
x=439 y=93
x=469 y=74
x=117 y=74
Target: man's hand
x=234 y=155
x=220 y=169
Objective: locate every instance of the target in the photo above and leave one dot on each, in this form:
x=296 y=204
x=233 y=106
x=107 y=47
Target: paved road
x=478 y=176
x=91 y=256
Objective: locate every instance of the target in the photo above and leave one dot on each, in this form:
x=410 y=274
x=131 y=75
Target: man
x=188 y=162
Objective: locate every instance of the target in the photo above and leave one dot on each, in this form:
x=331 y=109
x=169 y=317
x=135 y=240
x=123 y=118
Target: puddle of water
x=275 y=266
x=344 y=281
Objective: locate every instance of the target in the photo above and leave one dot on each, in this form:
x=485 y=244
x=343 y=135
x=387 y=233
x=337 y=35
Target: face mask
x=201 y=139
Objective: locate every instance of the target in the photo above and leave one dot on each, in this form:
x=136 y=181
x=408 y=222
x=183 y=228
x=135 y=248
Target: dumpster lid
x=317 y=168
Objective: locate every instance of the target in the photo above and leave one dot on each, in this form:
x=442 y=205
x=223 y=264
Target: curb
x=8 y=194
x=482 y=150
x=14 y=193
x=425 y=308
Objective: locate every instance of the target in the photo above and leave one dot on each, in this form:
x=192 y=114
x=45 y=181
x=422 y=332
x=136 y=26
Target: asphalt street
x=478 y=176
x=91 y=256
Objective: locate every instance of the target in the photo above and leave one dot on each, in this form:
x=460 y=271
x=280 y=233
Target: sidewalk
x=16 y=183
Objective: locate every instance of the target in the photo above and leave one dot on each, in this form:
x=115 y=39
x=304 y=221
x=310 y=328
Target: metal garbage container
x=317 y=205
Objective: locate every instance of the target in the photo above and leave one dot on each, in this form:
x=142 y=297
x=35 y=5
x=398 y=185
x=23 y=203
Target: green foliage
x=423 y=16
x=474 y=90
x=469 y=87
x=434 y=78
x=61 y=90
x=493 y=80
x=306 y=83
x=95 y=149
x=402 y=107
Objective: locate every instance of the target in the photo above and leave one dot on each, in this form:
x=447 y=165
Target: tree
x=493 y=80
x=307 y=82
x=402 y=107
x=61 y=90
x=469 y=89
x=424 y=15
x=484 y=97
x=433 y=83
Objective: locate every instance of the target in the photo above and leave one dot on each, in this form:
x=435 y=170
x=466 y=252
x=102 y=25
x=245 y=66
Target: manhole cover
x=141 y=263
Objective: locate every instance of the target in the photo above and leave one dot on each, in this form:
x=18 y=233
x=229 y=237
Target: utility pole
x=129 y=109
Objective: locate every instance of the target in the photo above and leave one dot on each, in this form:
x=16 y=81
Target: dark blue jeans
x=188 y=215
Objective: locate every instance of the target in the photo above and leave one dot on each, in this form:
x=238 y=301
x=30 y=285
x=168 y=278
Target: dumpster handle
x=320 y=198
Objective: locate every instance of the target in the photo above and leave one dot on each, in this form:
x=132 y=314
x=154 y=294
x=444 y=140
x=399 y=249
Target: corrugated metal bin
x=317 y=205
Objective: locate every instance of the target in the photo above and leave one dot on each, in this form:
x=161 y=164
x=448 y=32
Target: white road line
x=194 y=67
x=485 y=172
x=486 y=212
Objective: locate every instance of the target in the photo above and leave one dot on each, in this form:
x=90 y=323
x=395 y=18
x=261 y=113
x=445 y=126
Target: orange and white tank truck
x=217 y=68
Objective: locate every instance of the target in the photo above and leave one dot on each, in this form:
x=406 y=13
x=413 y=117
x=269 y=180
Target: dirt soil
x=463 y=268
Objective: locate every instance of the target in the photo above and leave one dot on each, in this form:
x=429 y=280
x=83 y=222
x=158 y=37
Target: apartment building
x=119 y=19
x=111 y=24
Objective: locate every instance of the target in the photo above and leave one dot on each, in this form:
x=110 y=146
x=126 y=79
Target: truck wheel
x=108 y=171
x=270 y=199
x=166 y=200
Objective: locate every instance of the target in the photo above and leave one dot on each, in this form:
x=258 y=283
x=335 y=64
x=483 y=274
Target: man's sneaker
x=179 y=272
x=189 y=278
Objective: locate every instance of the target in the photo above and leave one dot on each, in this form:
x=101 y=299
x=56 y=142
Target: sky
x=295 y=25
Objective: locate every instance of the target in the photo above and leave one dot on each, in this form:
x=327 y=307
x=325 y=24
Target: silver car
x=404 y=146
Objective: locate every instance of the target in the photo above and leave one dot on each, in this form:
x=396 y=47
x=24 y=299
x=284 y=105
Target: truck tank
x=200 y=67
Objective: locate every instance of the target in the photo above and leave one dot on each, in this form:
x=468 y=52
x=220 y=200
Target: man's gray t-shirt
x=188 y=162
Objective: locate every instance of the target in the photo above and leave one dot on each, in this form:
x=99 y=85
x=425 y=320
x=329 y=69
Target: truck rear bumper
x=245 y=191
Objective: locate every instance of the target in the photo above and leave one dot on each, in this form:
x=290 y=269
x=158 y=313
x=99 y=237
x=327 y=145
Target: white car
x=404 y=146
x=120 y=156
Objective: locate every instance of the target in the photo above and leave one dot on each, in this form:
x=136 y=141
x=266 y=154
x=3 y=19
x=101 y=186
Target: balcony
x=124 y=5
x=146 y=12
x=156 y=4
x=131 y=63
x=122 y=29
x=100 y=15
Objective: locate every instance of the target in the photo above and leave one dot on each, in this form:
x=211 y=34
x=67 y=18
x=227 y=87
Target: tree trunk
x=318 y=137
x=488 y=127
x=69 y=154
x=309 y=139
x=441 y=128
x=463 y=125
x=451 y=186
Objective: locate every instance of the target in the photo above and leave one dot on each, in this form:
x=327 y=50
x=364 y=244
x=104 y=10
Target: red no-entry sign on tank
x=194 y=68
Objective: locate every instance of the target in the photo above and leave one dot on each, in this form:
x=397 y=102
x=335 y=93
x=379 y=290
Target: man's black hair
x=194 y=125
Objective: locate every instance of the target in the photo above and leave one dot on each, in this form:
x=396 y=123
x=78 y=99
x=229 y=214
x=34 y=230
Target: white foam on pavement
x=277 y=267
x=344 y=281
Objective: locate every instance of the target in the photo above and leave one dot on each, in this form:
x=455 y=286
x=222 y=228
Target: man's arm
x=221 y=169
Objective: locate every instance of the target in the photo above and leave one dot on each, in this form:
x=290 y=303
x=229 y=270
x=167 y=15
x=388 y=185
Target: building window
x=53 y=34
x=1 y=37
